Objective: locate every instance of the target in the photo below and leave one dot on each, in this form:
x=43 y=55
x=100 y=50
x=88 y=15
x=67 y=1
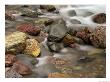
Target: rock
x=32 y=47
x=57 y=32
x=12 y=74
x=69 y=39
x=58 y=75
x=27 y=59
x=9 y=16
x=43 y=21
x=49 y=8
x=100 y=18
x=56 y=47
x=15 y=42
x=21 y=68
x=98 y=37
x=29 y=13
x=84 y=34
x=29 y=29
x=9 y=59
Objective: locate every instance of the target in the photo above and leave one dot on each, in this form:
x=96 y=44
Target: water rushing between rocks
x=46 y=41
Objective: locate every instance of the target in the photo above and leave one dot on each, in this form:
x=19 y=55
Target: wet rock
x=21 y=68
x=68 y=39
x=43 y=21
x=32 y=47
x=49 y=8
x=11 y=73
x=56 y=47
x=9 y=59
x=98 y=37
x=29 y=29
x=84 y=34
x=9 y=16
x=57 y=32
x=15 y=42
x=58 y=75
x=85 y=59
x=27 y=59
x=29 y=13
x=100 y=18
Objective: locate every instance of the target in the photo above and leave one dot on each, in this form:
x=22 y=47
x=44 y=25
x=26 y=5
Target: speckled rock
x=11 y=73
x=68 y=39
x=21 y=68
x=9 y=59
x=98 y=37
x=29 y=13
x=100 y=18
x=84 y=34
x=32 y=47
x=43 y=21
x=48 y=7
x=15 y=42
x=29 y=29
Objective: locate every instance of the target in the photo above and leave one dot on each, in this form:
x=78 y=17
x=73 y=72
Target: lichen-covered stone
x=32 y=47
x=98 y=37
x=15 y=42
x=29 y=29
x=43 y=21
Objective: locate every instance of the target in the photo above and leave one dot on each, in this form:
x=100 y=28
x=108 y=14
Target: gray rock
x=57 y=31
x=56 y=47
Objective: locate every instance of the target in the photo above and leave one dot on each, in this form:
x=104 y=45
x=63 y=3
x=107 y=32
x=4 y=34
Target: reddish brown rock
x=9 y=59
x=100 y=18
x=21 y=68
x=29 y=29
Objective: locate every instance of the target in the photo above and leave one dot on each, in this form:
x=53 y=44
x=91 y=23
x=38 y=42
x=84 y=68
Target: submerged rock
x=29 y=29
x=21 y=68
x=15 y=42
x=57 y=32
x=98 y=37
x=56 y=47
x=32 y=47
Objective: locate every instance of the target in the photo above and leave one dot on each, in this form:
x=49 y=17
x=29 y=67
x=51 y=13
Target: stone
x=49 y=8
x=99 y=18
x=32 y=47
x=21 y=68
x=15 y=42
x=29 y=13
x=9 y=16
x=58 y=75
x=29 y=29
x=43 y=21
x=9 y=59
x=57 y=32
x=98 y=37
x=84 y=34
x=56 y=47
x=11 y=73
x=69 y=39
